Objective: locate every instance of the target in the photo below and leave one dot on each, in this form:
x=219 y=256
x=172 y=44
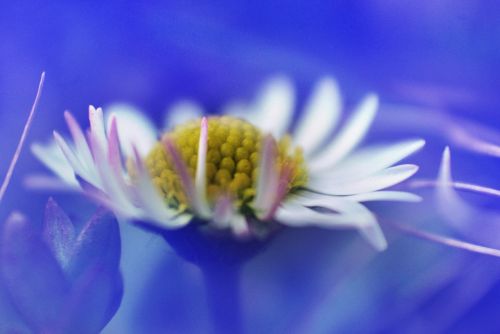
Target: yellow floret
x=232 y=161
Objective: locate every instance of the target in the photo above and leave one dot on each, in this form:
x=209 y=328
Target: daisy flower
x=247 y=171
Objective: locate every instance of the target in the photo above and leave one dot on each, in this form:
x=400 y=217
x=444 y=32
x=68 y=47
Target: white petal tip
x=445 y=168
x=446 y=152
x=418 y=144
x=371 y=100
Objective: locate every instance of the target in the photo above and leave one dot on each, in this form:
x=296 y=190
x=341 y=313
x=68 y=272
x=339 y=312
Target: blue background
x=439 y=55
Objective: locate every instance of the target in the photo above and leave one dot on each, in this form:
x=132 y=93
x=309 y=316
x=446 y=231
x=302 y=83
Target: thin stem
x=223 y=295
x=450 y=242
x=425 y=183
x=15 y=158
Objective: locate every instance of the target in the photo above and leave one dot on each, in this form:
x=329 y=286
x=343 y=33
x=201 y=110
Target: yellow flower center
x=232 y=166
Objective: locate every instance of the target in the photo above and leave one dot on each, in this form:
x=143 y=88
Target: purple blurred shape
x=57 y=280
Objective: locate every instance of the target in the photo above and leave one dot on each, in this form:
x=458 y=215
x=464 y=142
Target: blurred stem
x=222 y=283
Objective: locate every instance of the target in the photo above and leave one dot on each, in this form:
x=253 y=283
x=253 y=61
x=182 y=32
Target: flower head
x=246 y=171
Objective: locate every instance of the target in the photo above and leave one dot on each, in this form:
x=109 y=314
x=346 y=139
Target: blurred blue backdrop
x=437 y=55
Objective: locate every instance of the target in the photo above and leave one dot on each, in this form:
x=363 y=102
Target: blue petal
x=35 y=282
x=96 y=297
x=58 y=232
x=98 y=243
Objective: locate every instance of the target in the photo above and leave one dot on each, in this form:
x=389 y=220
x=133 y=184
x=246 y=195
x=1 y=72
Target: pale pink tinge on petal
x=150 y=200
x=110 y=182
x=114 y=154
x=182 y=171
x=268 y=180
x=97 y=127
x=114 y=159
x=223 y=212
x=81 y=145
x=201 y=171
x=281 y=191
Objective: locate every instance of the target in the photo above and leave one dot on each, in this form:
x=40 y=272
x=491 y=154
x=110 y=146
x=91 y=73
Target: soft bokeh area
x=436 y=68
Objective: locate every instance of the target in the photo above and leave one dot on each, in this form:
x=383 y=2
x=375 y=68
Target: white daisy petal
x=114 y=159
x=338 y=204
x=151 y=201
x=275 y=107
x=335 y=203
x=368 y=225
x=296 y=216
x=400 y=196
x=201 y=171
x=239 y=109
x=52 y=157
x=239 y=226
x=179 y=221
x=182 y=112
x=268 y=180
x=320 y=116
x=371 y=231
x=70 y=155
x=374 y=235
x=97 y=127
x=223 y=212
x=81 y=145
x=349 y=137
x=383 y=179
x=53 y=183
x=114 y=154
x=101 y=197
x=109 y=183
x=371 y=160
x=134 y=128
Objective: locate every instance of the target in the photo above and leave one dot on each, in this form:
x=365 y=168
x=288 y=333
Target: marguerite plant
x=247 y=170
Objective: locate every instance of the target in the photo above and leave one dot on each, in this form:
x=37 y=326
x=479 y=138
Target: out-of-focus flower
x=240 y=171
x=59 y=280
x=460 y=214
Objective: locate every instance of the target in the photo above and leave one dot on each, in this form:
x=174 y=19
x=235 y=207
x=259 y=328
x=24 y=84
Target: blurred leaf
x=58 y=232
x=98 y=243
x=31 y=274
x=10 y=320
x=96 y=297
